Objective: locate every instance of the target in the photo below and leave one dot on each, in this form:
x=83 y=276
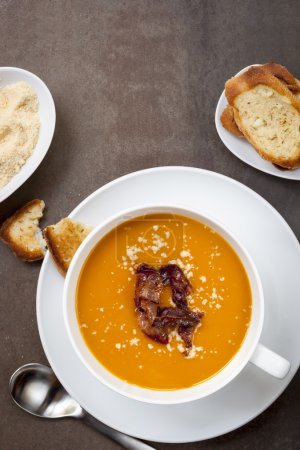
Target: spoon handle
x=124 y=440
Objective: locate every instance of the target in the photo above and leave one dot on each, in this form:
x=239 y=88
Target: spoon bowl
x=35 y=388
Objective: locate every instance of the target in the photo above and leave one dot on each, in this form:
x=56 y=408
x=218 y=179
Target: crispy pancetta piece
x=157 y=322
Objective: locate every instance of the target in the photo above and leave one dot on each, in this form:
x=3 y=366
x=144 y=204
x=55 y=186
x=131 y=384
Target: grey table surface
x=135 y=85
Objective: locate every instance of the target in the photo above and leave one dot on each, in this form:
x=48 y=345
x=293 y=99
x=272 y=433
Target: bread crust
x=228 y=122
x=283 y=75
x=19 y=251
x=245 y=82
x=63 y=240
x=253 y=77
x=60 y=265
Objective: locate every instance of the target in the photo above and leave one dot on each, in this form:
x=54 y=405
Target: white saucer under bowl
x=241 y=148
x=10 y=75
x=276 y=253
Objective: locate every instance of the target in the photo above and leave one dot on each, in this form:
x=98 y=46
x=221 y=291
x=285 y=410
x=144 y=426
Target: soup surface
x=106 y=310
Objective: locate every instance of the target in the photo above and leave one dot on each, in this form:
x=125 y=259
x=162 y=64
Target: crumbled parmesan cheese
x=150 y=346
x=169 y=347
x=118 y=346
x=202 y=279
x=157 y=243
x=181 y=347
x=132 y=252
x=134 y=341
x=180 y=263
x=185 y=254
x=175 y=335
x=193 y=353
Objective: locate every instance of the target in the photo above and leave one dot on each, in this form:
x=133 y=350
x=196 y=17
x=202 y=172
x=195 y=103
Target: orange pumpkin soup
x=106 y=310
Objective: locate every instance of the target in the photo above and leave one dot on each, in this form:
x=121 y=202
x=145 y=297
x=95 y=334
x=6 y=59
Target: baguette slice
x=268 y=114
x=280 y=72
x=283 y=75
x=63 y=239
x=22 y=234
x=228 y=122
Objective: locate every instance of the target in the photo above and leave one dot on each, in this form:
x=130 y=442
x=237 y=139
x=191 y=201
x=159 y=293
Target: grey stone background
x=135 y=85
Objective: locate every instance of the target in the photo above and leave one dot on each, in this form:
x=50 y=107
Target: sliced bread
x=63 y=239
x=284 y=75
x=22 y=234
x=228 y=122
x=268 y=114
x=280 y=72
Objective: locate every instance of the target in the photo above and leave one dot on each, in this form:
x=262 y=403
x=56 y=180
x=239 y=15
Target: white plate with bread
x=24 y=167
x=258 y=119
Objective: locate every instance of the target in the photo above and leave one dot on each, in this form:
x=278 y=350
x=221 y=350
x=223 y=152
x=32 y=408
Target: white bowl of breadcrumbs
x=27 y=122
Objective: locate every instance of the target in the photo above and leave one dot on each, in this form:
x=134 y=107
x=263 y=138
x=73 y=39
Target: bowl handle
x=270 y=362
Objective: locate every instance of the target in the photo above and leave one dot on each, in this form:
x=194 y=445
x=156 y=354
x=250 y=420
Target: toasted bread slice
x=268 y=114
x=22 y=234
x=283 y=75
x=280 y=72
x=63 y=239
x=228 y=122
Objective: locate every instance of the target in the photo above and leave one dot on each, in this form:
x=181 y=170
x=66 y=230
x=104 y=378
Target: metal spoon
x=35 y=388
